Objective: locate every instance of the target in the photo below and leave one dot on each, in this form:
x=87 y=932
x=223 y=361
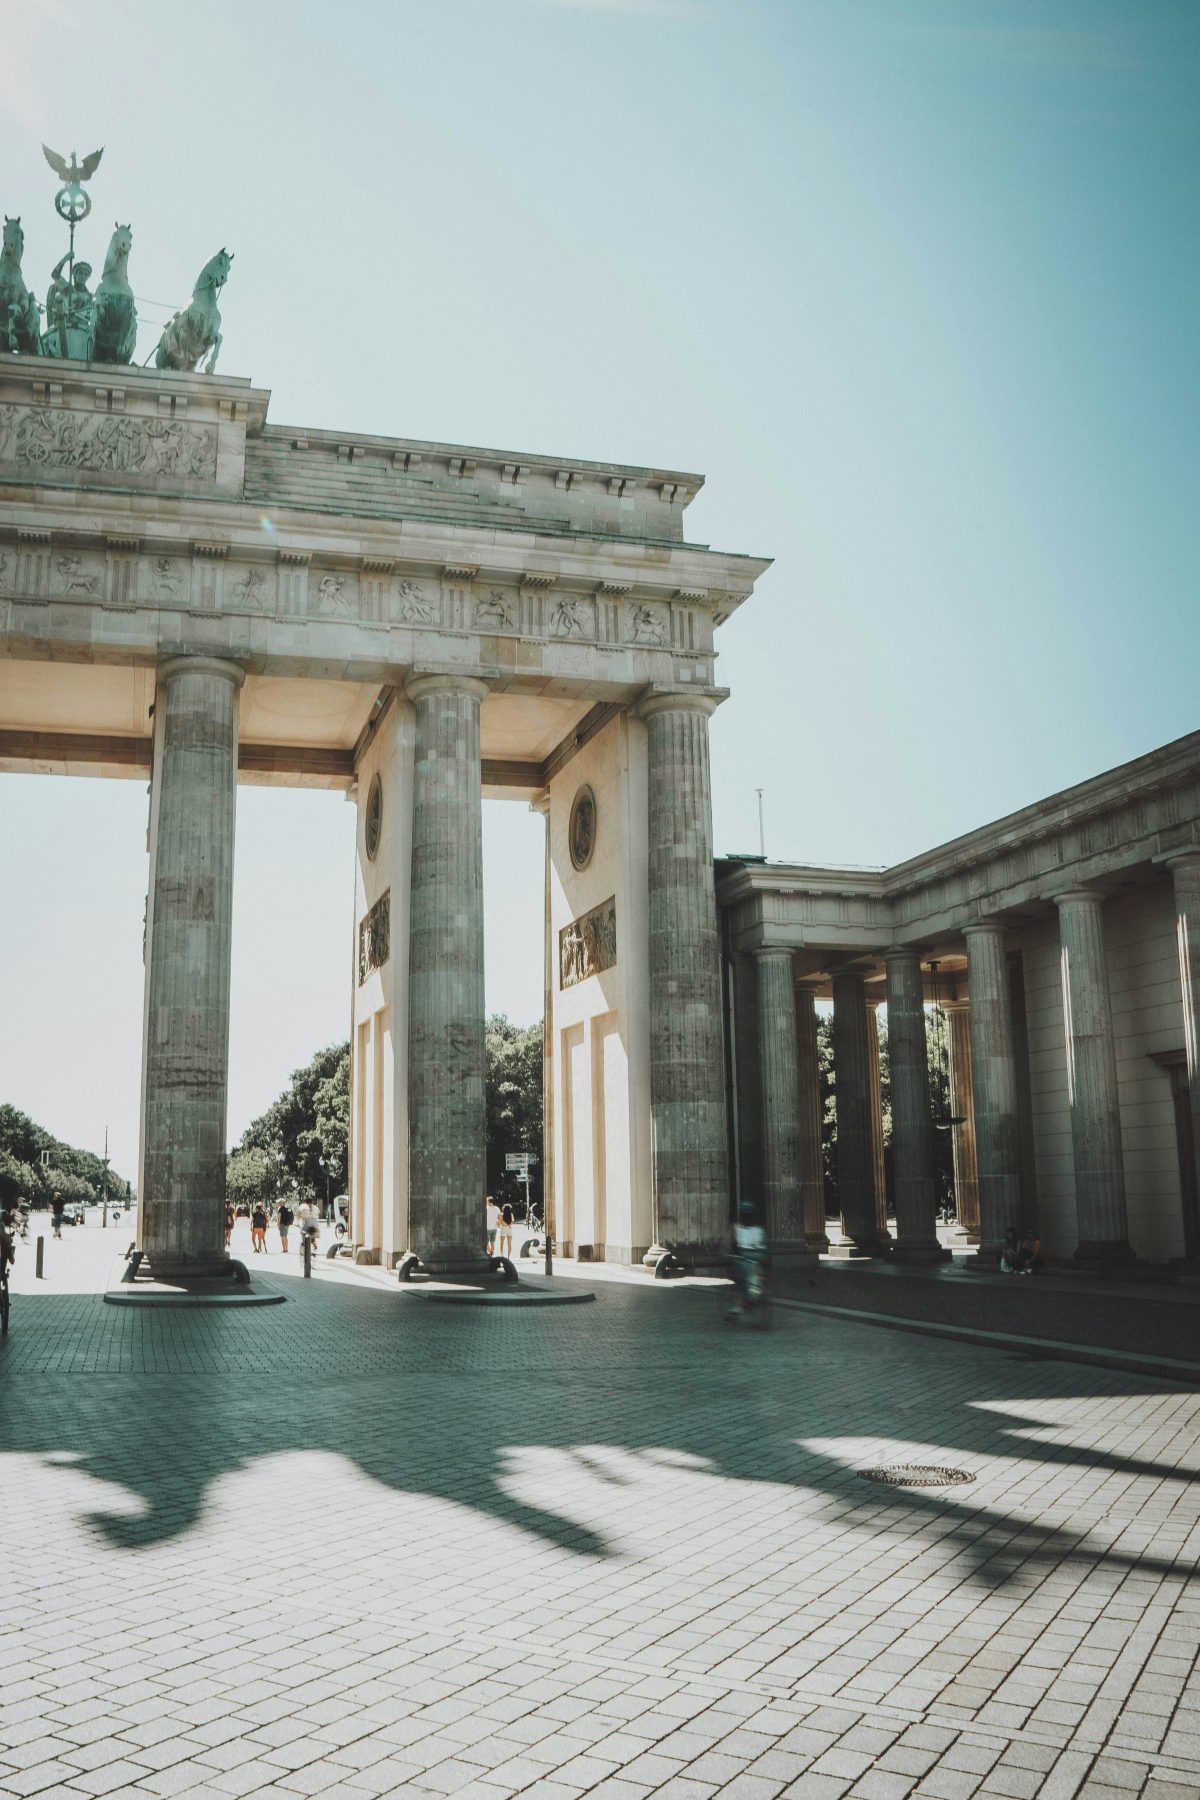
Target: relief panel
x=588 y=945
x=43 y=440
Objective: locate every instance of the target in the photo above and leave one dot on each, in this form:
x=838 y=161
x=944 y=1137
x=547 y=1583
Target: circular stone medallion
x=581 y=831
x=374 y=823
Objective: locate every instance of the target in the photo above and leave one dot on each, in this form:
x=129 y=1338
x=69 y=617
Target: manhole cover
x=916 y=1475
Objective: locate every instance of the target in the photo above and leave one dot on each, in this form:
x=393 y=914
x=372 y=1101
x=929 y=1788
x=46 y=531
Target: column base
x=1099 y=1254
x=694 y=1259
x=922 y=1250
x=454 y=1264
x=794 y=1256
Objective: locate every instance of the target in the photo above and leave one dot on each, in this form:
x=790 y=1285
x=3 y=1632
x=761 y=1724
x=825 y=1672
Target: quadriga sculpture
x=19 y=324
x=193 y=333
x=116 y=314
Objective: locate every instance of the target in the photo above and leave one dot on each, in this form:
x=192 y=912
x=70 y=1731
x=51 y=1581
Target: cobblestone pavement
x=361 y=1544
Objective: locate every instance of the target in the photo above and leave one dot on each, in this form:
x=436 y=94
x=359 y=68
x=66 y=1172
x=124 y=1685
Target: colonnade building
x=1063 y=944
x=194 y=596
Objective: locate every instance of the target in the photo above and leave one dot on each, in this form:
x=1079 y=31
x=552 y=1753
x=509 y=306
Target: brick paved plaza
x=360 y=1544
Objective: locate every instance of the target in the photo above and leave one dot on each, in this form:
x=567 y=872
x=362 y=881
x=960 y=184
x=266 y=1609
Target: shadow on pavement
x=435 y=1404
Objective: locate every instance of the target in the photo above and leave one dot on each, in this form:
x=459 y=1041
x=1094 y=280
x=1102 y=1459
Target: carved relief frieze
x=588 y=945
x=375 y=937
x=647 y=625
x=44 y=438
x=416 y=604
x=333 y=594
x=251 y=588
x=166 y=580
x=571 y=617
x=495 y=611
x=76 y=576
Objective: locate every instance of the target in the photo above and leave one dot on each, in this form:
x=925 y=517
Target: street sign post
x=517 y=1162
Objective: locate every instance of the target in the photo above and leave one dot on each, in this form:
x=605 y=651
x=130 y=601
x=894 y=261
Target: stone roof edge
x=651 y=476
x=1176 y=761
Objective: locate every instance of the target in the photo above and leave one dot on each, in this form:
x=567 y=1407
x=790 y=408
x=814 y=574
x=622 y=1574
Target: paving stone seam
x=1163 y=1368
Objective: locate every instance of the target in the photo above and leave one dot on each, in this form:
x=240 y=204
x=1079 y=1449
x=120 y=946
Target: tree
x=939 y=1103
x=71 y=1173
x=310 y=1119
x=514 y=1102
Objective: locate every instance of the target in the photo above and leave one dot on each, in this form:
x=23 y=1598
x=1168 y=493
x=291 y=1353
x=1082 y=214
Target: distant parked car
x=74 y=1213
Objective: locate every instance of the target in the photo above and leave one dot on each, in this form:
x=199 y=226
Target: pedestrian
x=1010 y=1255
x=230 y=1216
x=504 y=1231
x=56 y=1215
x=1029 y=1251
x=284 y=1218
x=258 y=1228
x=493 y=1223
x=310 y=1223
x=8 y=1255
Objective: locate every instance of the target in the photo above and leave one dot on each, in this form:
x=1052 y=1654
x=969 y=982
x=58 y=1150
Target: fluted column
x=1092 y=1081
x=810 y=1163
x=782 y=1201
x=962 y=1135
x=912 y=1129
x=1185 y=872
x=445 y=992
x=853 y=1095
x=877 y=1147
x=549 y=1198
x=994 y=1085
x=186 y=1067
x=687 y=1074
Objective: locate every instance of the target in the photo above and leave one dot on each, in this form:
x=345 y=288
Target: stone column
x=962 y=1136
x=549 y=1215
x=782 y=1199
x=811 y=1168
x=881 y=1194
x=912 y=1127
x=1185 y=871
x=994 y=1087
x=445 y=982
x=687 y=1073
x=853 y=1094
x=186 y=1068
x=1092 y=1082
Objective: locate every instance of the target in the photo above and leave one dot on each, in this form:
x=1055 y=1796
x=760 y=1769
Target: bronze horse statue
x=20 y=328
x=197 y=330
x=116 y=314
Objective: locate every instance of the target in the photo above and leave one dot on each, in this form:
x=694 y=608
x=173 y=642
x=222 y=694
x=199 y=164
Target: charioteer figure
x=70 y=313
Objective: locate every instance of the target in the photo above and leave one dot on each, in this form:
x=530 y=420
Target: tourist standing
x=493 y=1223
x=56 y=1215
x=504 y=1231
x=258 y=1229
x=284 y=1219
x=230 y=1216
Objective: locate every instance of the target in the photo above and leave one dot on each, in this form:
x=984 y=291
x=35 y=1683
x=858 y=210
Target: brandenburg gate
x=194 y=596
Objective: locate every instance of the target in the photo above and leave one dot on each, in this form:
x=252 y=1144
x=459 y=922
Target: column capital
x=765 y=952
x=985 y=928
x=1187 y=857
x=902 y=953
x=663 y=699
x=201 y=665
x=1081 y=895
x=541 y=804
x=422 y=683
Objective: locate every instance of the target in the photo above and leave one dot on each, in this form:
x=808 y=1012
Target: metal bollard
x=308 y=1256
x=38 y=1254
x=549 y=1254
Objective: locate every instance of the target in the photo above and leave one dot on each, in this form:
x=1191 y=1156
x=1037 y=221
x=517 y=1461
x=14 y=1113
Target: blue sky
x=912 y=284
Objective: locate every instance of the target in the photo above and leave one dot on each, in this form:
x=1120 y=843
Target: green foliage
x=939 y=1103
x=73 y=1174
x=514 y=1103
x=310 y=1119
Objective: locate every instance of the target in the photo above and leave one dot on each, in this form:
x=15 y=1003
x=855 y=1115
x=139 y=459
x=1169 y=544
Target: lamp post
x=104 y=1186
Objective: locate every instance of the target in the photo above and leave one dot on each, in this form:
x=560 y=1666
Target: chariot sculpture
x=101 y=326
